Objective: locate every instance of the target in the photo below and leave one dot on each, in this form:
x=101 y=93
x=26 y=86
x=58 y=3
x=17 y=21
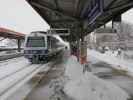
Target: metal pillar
x=19 y=45
x=83 y=51
x=118 y=26
x=104 y=26
x=112 y=24
x=116 y=19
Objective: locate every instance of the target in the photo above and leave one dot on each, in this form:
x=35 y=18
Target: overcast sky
x=126 y=17
x=18 y=15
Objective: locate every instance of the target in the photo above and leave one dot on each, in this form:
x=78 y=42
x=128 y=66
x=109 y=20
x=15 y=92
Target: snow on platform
x=114 y=61
x=86 y=86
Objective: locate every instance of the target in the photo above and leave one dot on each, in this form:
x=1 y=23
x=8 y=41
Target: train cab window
x=35 y=42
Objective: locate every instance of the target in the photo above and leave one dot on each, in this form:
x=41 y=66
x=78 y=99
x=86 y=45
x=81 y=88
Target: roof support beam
x=76 y=6
x=111 y=4
x=53 y=10
x=63 y=21
x=124 y=6
x=57 y=5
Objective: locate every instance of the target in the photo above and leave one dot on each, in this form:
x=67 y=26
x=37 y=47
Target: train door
x=49 y=46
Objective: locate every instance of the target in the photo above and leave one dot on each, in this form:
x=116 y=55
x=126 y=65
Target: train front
x=35 y=48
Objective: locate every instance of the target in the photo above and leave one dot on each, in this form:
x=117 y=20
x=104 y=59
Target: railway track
x=10 y=56
x=16 y=73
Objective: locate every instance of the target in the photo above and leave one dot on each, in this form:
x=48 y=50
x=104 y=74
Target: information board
x=62 y=32
x=94 y=9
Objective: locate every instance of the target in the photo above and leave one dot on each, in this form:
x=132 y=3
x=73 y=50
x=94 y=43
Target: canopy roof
x=10 y=34
x=71 y=14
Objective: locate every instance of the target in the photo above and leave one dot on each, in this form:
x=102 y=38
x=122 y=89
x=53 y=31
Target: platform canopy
x=89 y=14
x=7 y=33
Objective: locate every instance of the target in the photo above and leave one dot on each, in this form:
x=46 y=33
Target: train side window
x=53 y=42
x=49 y=41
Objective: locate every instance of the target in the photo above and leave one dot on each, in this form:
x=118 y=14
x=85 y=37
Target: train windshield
x=35 y=42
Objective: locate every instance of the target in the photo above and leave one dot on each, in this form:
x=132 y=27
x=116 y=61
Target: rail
x=10 y=56
x=16 y=77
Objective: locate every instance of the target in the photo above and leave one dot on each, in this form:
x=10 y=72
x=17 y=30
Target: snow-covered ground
x=117 y=62
x=125 y=55
x=77 y=85
x=8 y=44
x=86 y=86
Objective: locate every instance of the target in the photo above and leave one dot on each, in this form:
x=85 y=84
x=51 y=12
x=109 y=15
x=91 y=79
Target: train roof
x=43 y=32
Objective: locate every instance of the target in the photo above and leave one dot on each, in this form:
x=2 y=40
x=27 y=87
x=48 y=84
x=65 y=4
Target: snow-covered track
x=16 y=74
x=10 y=56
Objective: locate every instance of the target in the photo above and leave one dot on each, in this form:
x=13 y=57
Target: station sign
x=61 y=32
x=94 y=10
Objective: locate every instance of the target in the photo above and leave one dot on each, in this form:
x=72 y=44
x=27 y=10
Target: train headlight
x=26 y=51
x=43 y=51
x=34 y=51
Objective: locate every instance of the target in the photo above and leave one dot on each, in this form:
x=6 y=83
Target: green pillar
x=19 y=45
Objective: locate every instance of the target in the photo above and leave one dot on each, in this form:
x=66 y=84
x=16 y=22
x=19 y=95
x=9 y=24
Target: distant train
x=40 y=47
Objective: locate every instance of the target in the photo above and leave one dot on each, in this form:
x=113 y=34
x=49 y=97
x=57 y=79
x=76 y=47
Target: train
x=40 y=47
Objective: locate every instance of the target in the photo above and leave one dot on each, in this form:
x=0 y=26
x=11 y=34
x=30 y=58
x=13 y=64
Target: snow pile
x=116 y=62
x=92 y=60
x=73 y=70
x=8 y=43
x=89 y=87
x=111 y=53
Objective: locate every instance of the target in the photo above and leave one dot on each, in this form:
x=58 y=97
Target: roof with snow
x=7 y=33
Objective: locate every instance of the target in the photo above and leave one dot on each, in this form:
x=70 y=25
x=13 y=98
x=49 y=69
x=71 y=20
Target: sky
x=128 y=16
x=19 y=16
